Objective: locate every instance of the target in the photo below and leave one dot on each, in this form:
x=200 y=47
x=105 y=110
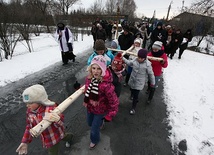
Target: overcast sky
x=147 y=7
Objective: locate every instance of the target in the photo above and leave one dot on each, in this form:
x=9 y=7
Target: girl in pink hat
x=100 y=98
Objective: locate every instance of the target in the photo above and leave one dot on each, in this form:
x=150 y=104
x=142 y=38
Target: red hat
x=117 y=63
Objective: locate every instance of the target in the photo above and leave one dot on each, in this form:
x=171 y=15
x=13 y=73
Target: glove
x=108 y=118
x=51 y=117
x=22 y=149
x=70 y=47
x=77 y=85
x=162 y=61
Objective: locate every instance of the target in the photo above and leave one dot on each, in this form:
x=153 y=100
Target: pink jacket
x=157 y=66
x=108 y=101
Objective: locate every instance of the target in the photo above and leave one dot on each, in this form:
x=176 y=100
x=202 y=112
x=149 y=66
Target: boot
x=151 y=94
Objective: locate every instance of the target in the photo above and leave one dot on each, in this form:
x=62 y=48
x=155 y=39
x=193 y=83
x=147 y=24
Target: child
x=117 y=68
x=134 y=48
x=100 y=97
x=142 y=69
x=157 y=66
x=100 y=49
x=39 y=107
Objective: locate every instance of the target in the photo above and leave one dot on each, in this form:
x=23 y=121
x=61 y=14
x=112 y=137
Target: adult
x=187 y=37
x=177 y=38
x=65 y=38
x=101 y=33
x=158 y=34
x=126 y=39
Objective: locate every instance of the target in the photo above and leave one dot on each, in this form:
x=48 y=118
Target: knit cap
x=100 y=45
x=142 y=53
x=157 y=45
x=114 y=44
x=36 y=94
x=117 y=63
x=100 y=60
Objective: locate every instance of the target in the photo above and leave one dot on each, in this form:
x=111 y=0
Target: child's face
x=100 y=52
x=140 y=59
x=32 y=106
x=96 y=71
x=136 y=44
x=155 y=50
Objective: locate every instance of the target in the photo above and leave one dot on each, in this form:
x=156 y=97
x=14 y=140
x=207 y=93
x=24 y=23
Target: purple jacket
x=108 y=101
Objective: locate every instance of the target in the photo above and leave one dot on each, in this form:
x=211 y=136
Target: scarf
x=93 y=91
x=158 y=53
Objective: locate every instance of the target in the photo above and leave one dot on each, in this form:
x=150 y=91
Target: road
x=145 y=133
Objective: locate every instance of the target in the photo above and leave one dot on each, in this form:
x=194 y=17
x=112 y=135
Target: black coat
x=125 y=41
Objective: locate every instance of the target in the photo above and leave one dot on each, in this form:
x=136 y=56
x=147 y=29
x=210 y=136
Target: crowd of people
x=136 y=59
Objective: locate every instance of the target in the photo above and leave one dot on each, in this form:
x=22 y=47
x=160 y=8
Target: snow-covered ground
x=188 y=88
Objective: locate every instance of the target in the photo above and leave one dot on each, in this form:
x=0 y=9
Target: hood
x=108 y=76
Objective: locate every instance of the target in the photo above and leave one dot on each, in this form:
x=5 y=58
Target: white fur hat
x=36 y=94
x=137 y=40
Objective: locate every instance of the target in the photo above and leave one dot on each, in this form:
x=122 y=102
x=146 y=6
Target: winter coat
x=101 y=34
x=50 y=136
x=159 y=35
x=156 y=65
x=107 y=98
x=125 y=41
x=188 y=36
x=140 y=73
x=174 y=44
x=63 y=41
x=108 y=55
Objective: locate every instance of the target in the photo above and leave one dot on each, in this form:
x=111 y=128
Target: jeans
x=95 y=121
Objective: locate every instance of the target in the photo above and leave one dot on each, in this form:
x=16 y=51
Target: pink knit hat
x=100 y=60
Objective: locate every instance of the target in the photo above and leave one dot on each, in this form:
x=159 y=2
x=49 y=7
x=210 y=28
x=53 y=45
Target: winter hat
x=142 y=53
x=100 y=45
x=160 y=24
x=137 y=40
x=114 y=44
x=36 y=94
x=126 y=28
x=117 y=63
x=61 y=26
x=100 y=60
x=157 y=45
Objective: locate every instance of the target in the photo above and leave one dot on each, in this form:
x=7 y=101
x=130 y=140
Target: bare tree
x=97 y=7
x=8 y=33
x=203 y=7
x=111 y=7
x=65 y=5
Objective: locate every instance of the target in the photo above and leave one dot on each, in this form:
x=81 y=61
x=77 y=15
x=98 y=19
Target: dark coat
x=125 y=41
x=187 y=35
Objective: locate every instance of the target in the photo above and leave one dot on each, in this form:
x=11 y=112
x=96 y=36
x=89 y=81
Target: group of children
x=102 y=91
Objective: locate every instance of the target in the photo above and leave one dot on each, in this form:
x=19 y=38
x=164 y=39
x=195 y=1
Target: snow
x=188 y=88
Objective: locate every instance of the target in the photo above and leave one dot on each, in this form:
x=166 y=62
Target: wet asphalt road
x=145 y=133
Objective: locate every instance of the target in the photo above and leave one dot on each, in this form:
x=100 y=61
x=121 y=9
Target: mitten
x=162 y=61
x=51 y=117
x=108 y=118
x=22 y=149
x=76 y=85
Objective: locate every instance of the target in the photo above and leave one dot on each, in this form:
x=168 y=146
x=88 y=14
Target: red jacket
x=157 y=65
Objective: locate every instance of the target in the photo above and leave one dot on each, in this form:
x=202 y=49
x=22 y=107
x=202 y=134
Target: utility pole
x=167 y=16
